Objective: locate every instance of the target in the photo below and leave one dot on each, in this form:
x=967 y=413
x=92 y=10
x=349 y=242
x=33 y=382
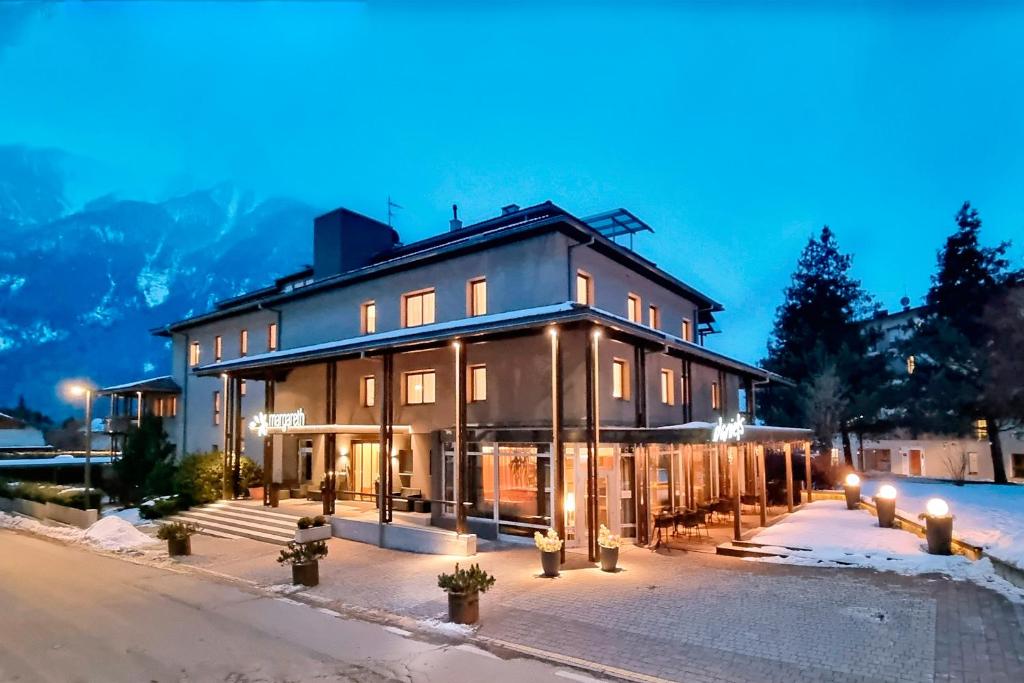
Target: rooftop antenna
x=391 y=207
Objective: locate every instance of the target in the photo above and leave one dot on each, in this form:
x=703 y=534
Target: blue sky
x=736 y=130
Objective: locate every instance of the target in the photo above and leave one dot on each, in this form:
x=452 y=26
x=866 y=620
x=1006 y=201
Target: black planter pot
x=609 y=559
x=852 y=497
x=939 y=533
x=464 y=608
x=886 y=508
x=549 y=562
x=179 y=546
x=306 y=574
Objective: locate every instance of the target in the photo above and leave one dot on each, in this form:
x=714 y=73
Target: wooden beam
x=461 y=452
x=762 y=483
x=557 y=447
x=640 y=383
x=225 y=417
x=592 y=439
x=328 y=494
x=787 y=450
x=808 y=482
x=386 y=436
x=270 y=497
x=734 y=470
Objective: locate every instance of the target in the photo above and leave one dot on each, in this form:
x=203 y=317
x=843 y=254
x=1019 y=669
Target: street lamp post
x=80 y=390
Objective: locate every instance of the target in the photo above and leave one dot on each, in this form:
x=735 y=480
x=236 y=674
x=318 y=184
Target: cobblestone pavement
x=690 y=616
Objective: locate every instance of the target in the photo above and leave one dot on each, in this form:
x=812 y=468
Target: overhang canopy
x=154 y=385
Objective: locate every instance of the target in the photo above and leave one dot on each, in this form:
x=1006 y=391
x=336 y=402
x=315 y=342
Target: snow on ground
x=130 y=515
x=987 y=515
x=447 y=627
x=835 y=536
x=109 y=533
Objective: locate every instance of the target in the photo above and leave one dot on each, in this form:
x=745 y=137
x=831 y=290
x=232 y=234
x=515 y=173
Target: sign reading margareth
x=264 y=422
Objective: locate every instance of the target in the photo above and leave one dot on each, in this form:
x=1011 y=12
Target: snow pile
x=836 y=537
x=109 y=533
x=447 y=627
x=986 y=515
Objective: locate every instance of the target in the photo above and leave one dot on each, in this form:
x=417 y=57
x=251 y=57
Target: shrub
x=176 y=531
x=53 y=493
x=303 y=553
x=304 y=522
x=252 y=477
x=469 y=580
x=161 y=507
x=319 y=520
x=200 y=477
x=76 y=498
x=146 y=466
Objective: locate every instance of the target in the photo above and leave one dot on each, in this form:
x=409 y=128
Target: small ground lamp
x=851 y=485
x=885 y=505
x=938 y=527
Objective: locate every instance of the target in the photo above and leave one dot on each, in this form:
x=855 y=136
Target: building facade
x=486 y=364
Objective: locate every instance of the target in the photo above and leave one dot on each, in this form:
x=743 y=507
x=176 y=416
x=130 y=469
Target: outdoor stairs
x=752 y=549
x=231 y=519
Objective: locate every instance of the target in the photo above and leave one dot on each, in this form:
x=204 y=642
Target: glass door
x=365 y=469
x=616 y=504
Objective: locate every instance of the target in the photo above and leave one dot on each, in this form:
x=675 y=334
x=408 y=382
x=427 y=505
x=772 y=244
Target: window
x=1018 y=465
x=478 y=383
x=653 y=317
x=418 y=308
x=716 y=396
x=368 y=391
x=419 y=387
x=980 y=430
x=241 y=387
x=972 y=463
x=584 y=289
x=216 y=407
x=911 y=365
x=668 y=388
x=272 y=337
x=218 y=348
x=368 y=317
x=165 y=406
x=243 y=342
x=477 y=297
x=687 y=330
x=741 y=401
x=620 y=379
x=633 y=308
x=193 y=354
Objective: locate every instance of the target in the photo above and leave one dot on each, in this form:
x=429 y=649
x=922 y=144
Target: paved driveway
x=691 y=616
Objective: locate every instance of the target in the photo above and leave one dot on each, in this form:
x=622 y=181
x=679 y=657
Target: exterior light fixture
x=885 y=506
x=597 y=334
x=456 y=344
x=851 y=487
x=553 y=331
x=938 y=527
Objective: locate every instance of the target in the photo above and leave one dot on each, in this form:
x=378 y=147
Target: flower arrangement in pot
x=312 y=529
x=609 y=546
x=550 y=546
x=178 y=536
x=305 y=561
x=464 y=587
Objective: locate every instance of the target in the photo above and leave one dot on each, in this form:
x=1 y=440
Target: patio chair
x=662 y=523
x=692 y=520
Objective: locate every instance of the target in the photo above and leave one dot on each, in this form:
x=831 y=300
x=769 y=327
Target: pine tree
x=953 y=385
x=820 y=343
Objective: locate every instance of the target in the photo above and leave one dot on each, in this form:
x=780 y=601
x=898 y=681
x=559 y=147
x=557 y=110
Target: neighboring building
x=17 y=435
x=486 y=362
x=128 y=403
x=939 y=456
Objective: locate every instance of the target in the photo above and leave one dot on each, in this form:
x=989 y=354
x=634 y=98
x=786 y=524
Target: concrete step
x=732 y=550
x=232 y=528
x=269 y=513
x=246 y=517
x=753 y=544
x=202 y=514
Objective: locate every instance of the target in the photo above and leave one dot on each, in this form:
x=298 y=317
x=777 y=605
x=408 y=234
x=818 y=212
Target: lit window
x=193 y=354
x=216 y=407
x=368 y=317
x=368 y=392
x=981 y=429
x=419 y=387
x=272 y=337
x=584 y=289
x=653 y=317
x=419 y=308
x=716 y=396
x=241 y=387
x=633 y=307
x=620 y=379
x=478 y=383
x=477 y=297
x=668 y=389
x=243 y=342
x=218 y=348
x=972 y=463
x=911 y=365
x=687 y=330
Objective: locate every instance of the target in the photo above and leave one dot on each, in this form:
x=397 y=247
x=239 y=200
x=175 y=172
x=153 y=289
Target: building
x=486 y=363
x=17 y=435
x=938 y=456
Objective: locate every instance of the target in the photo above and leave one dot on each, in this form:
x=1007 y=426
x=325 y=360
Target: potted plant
x=464 y=587
x=178 y=536
x=609 y=545
x=255 y=483
x=305 y=561
x=312 y=529
x=550 y=546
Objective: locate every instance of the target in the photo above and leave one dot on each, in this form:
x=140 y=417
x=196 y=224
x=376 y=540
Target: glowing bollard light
x=938 y=527
x=851 y=485
x=885 y=504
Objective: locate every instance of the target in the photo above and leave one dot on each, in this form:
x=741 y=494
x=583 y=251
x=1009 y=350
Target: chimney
x=454 y=224
x=511 y=208
x=344 y=240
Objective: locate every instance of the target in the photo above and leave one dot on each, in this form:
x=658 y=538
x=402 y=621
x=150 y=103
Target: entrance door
x=915 y=462
x=615 y=501
x=364 y=469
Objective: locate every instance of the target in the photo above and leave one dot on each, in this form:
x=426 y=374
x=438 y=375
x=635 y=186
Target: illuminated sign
x=264 y=422
x=728 y=431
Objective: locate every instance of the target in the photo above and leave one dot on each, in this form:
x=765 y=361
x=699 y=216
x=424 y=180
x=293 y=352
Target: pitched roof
x=153 y=385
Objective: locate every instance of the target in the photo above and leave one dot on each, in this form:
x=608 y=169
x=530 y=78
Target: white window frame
x=476 y=375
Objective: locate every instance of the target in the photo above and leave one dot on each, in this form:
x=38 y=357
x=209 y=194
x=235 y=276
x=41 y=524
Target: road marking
x=329 y=612
x=397 y=631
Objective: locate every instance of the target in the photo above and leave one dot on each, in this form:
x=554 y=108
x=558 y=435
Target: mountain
x=80 y=288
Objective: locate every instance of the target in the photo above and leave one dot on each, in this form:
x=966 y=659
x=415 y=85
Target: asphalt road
x=69 y=615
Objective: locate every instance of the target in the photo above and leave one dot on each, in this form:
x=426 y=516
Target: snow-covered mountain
x=81 y=287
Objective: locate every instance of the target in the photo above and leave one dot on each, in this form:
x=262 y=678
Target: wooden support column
x=762 y=483
x=787 y=450
x=557 y=449
x=386 y=440
x=226 y=428
x=807 y=469
x=640 y=386
x=461 y=452
x=734 y=469
x=327 y=493
x=591 y=369
x=238 y=434
x=270 y=497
